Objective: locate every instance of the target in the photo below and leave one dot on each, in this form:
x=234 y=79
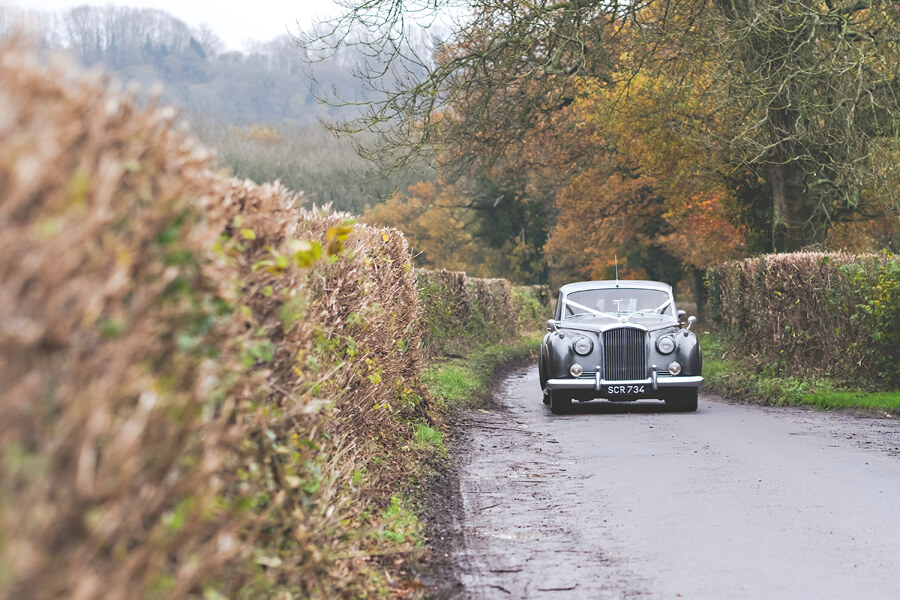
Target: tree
x=438 y=223
x=807 y=92
x=503 y=68
x=648 y=196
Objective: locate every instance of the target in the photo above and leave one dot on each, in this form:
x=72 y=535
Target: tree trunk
x=797 y=211
x=799 y=217
x=700 y=292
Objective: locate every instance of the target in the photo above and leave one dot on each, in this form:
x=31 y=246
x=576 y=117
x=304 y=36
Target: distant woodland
x=257 y=109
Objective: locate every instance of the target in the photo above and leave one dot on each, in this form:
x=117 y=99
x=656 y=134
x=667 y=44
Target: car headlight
x=665 y=344
x=583 y=346
x=576 y=370
x=675 y=368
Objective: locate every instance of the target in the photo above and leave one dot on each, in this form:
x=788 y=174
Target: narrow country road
x=629 y=501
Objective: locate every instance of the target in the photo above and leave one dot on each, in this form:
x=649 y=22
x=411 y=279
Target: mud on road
x=629 y=501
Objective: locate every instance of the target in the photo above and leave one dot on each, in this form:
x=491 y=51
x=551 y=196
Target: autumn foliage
x=648 y=150
x=626 y=187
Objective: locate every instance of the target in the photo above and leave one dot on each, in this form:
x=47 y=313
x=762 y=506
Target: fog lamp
x=675 y=368
x=576 y=370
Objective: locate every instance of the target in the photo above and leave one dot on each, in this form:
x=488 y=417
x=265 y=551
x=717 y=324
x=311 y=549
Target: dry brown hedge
x=813 y=314
x=110 y=329
x=207 y=390
x=334 y=355
x=194 y=402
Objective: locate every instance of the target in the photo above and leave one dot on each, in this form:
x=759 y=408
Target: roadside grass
x=452 y=383
x=400 y=525
x=830 y=400
x=460 y=382
x=743 y=379
x=427 y=436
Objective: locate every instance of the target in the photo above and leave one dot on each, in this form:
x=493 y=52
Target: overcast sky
x=235 y=21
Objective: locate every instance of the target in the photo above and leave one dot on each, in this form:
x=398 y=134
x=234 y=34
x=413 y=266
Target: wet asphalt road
x=629 y=501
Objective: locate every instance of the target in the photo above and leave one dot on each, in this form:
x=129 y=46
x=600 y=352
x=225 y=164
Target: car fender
x=560 y=355
x=542 y=362
x=687 y=352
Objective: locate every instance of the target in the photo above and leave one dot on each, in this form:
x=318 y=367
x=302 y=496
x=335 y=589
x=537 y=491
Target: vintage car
x=622 y=341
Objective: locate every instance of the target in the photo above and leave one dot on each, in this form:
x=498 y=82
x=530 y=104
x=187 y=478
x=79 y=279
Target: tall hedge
x=207 y=391
x=115 y=343
x=459 y=312
x=812 y=313
x=205 y=387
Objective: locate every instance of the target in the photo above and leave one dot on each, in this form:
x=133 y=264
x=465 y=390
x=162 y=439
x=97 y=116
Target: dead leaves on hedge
x=187 y=406
x=813 y=313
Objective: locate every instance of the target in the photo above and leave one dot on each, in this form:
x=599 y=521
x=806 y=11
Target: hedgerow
x=814 y=314
x=461 y=312
x=207 y=390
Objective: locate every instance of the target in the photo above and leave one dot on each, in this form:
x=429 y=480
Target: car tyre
x=560 y=403
x=546 y=397
x=683 y=400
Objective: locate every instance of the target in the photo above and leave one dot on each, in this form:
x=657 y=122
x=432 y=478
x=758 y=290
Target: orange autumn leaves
x=438 y=224
x=652 y=185
x=622 y=175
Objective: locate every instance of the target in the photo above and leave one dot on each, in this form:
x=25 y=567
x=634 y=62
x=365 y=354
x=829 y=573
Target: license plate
x=625 y=390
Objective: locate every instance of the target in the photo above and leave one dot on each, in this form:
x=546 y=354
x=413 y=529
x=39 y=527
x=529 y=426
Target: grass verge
x=745 y=380
x=461 y=382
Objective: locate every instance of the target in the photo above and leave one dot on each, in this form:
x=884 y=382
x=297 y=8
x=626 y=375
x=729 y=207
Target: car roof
x=612 y=283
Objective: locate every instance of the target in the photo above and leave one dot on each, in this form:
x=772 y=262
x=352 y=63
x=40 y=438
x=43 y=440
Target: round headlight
x=576 y=370
x=675 y=368
x=583 y=346
x=665 y=344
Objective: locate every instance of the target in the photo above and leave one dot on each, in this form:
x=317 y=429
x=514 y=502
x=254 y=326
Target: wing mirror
x=551 y=325
x=691 y=321
x=681 y=316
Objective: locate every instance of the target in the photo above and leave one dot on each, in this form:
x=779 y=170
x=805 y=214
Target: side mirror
x=551 y=325
x=691 y=321
x=681 y=316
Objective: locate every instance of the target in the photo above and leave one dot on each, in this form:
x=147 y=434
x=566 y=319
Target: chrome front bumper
x=596 y=384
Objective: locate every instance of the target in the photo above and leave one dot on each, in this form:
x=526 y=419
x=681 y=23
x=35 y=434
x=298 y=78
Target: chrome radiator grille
x=624 y=354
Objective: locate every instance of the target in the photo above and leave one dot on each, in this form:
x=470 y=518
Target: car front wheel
x=683 y=400
x=560 y=402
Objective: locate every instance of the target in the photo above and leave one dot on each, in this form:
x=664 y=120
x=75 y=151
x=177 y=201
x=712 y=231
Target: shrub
x=117 y=343
x=462 y=311
x=193 y=367
x=207 y=389
x=808 y=313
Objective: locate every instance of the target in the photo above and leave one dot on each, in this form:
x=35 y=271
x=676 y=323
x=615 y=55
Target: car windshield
x=618 y=301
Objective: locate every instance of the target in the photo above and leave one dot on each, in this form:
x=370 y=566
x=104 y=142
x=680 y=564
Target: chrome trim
x=590 y=345
x=661 y=338
x=625 y=352
x=653 y=378
x=626 y=324
x=584 y=328
x=589 y=383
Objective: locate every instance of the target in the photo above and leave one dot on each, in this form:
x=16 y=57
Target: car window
x=617 y=301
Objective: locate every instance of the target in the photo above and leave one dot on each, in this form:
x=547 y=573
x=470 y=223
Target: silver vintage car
x=619 y=340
